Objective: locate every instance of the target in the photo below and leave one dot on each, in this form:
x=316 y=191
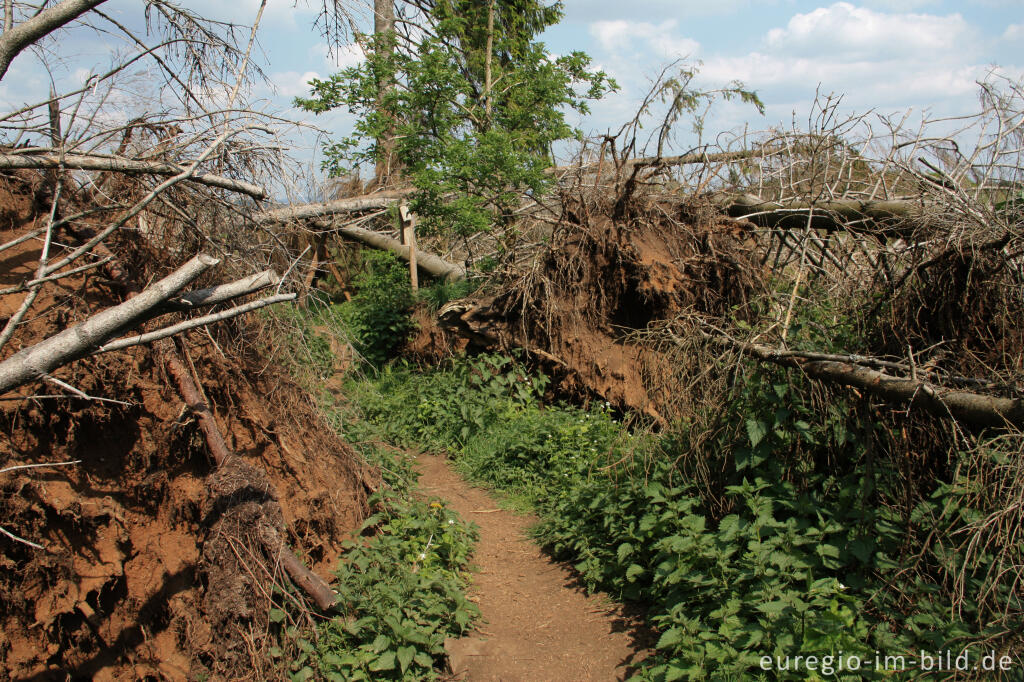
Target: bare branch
x=12 y=42
x=128 y=166
x=19 y=467
x=166 y=332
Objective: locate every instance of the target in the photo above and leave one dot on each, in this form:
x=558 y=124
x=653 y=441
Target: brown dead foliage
x=149 y=570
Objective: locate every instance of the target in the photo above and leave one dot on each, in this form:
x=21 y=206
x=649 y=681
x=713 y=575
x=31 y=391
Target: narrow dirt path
x=538 y=625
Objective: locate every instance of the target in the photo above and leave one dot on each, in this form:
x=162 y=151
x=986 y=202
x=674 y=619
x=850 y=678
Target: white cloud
x=654 y=8
x=900 y=5
x=292 y=83
x=345 y=56
x=845 y=31
x=620 y=35
x=884 y=60
x=1014 y=32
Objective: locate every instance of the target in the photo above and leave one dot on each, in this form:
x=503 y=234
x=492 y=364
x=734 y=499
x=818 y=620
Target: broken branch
x=973 y=408
x=115 y=164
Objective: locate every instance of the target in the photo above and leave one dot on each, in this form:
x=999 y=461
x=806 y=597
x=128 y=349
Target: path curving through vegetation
x=538 y=623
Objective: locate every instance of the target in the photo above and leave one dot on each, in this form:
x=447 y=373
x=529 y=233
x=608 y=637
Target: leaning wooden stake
x=409 y=237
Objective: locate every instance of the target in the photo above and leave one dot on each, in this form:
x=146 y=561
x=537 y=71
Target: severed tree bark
x=13 y=41
x=975 y=409
x=114 y=164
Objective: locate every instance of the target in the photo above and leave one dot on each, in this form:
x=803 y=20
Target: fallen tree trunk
x=95 y=333
x=680 y=160
x=115 y=164
x=16 y=39
x=365 y=202
x=83 y=338
x=824 y=215
x=428 y=262
x=975 y=409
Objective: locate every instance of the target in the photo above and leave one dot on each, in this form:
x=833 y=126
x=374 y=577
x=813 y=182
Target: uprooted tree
x=142 y=198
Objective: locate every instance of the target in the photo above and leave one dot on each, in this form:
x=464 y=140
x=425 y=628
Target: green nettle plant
x=378 y=317
x=469 y=112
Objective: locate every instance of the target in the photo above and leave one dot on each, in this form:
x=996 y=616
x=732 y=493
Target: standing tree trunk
x=384 y=32
x=488 y=83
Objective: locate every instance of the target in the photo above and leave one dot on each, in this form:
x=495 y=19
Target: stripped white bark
x=116 y=164
x=75 y=342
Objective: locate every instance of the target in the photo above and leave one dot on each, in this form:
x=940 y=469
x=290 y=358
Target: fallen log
x=114 y=164
x=824 y=215
x=94 y=334
x=428 y=262
x=679 y=160
x=40 y=359
x=976 y=409
x=366 y=202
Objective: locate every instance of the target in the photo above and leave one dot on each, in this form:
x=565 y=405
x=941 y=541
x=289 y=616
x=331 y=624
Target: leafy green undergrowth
x=401 y=582
x=803 y=541
x=402 y=592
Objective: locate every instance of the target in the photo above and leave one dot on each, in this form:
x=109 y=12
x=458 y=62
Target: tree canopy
x=470 y=101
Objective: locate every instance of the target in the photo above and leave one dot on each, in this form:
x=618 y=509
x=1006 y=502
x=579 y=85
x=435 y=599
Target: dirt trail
x=538 y=624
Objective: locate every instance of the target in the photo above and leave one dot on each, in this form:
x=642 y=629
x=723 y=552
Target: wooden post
x=409 y=237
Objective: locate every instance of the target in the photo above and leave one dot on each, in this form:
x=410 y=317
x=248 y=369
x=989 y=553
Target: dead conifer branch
x=973 y=408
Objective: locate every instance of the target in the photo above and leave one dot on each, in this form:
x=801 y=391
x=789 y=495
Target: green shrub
x=438 y=293
x=378 y=316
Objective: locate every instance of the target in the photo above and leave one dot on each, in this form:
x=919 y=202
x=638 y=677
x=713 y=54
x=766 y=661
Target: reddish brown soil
x=538 y=624
x=598 y=286
x=141 y=577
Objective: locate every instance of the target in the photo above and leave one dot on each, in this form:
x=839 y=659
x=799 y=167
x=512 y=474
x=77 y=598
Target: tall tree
x=384 y=41
x=476 y=103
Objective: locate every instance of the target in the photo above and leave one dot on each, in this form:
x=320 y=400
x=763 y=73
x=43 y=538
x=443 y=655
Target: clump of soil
x=601 y=283
x=147 y=570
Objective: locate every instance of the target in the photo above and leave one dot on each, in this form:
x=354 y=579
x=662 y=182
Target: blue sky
x=885 y=55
